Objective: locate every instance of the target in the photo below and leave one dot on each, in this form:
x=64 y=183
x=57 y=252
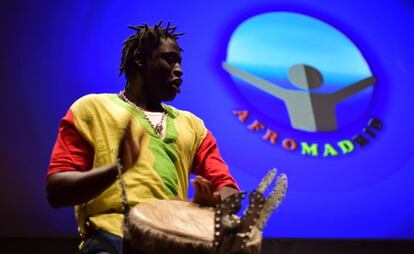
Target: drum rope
x=124 y=198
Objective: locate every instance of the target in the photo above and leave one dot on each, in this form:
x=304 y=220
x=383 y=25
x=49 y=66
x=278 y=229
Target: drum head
x=175 y=227
x=176 y=218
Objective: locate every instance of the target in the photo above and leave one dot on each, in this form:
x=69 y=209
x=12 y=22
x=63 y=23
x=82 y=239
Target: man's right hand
x=129 y=149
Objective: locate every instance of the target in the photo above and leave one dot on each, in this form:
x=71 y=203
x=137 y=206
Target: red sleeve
x=209 y=164
x=71 y=151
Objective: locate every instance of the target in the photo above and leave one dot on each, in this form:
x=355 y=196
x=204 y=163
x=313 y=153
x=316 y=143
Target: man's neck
x=135 y=92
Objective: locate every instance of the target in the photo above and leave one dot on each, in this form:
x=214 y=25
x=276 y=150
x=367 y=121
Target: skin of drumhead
x=175 y=227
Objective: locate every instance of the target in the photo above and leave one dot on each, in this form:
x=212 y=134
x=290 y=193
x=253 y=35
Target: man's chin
x=169 y=97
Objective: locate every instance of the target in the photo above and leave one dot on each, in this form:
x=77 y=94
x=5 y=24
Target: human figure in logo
x=307 y=110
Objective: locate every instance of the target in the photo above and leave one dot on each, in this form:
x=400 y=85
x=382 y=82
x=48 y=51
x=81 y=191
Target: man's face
x=162 y=71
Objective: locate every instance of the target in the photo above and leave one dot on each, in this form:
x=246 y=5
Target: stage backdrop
x=321 y=90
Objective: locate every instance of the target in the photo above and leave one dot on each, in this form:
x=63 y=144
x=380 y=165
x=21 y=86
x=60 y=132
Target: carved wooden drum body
x=179 y=227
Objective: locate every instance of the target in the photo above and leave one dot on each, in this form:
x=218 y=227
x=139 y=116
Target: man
x=153 y=145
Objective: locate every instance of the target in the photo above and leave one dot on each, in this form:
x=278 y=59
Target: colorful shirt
x=89 y=137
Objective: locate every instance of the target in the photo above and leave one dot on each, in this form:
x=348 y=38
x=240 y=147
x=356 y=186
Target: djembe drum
x=179 y=227
x=182 y=227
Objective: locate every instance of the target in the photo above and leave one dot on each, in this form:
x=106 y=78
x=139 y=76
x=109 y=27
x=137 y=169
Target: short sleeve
x=209 y=164
x=71 y=151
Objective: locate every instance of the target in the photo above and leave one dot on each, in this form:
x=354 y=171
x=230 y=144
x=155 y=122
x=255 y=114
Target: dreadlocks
x=146 y=40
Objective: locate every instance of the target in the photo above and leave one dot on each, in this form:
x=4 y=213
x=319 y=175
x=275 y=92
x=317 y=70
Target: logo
x=302 y=74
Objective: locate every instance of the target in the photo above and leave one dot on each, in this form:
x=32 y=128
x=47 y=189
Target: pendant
x=158 y=129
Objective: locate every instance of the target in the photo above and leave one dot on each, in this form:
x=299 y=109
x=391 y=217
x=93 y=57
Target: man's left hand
x=204 y=192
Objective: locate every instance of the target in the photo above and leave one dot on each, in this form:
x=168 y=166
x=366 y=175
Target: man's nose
x=178 y=71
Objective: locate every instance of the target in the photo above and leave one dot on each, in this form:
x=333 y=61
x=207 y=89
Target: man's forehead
x=168 y=45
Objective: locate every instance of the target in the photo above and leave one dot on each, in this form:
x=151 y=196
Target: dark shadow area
x=328 y=246
x=69 y=245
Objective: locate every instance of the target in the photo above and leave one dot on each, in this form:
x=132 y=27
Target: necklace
x=158 y=128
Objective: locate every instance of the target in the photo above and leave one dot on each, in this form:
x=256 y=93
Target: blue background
x=53 y=52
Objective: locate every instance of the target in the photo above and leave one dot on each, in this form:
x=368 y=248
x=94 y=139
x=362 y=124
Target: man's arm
x=75 y=187
x=70 y=178
x=213 y=182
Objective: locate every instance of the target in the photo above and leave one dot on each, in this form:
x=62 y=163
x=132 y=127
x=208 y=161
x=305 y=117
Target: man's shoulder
x=93 y=99
x=92 y=103
x=180 y=112
x=185 y=117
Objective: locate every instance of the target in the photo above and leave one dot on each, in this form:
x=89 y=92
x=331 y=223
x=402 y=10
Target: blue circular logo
x=300 y=72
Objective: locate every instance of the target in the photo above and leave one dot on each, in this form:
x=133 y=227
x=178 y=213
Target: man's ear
x=139 y=58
